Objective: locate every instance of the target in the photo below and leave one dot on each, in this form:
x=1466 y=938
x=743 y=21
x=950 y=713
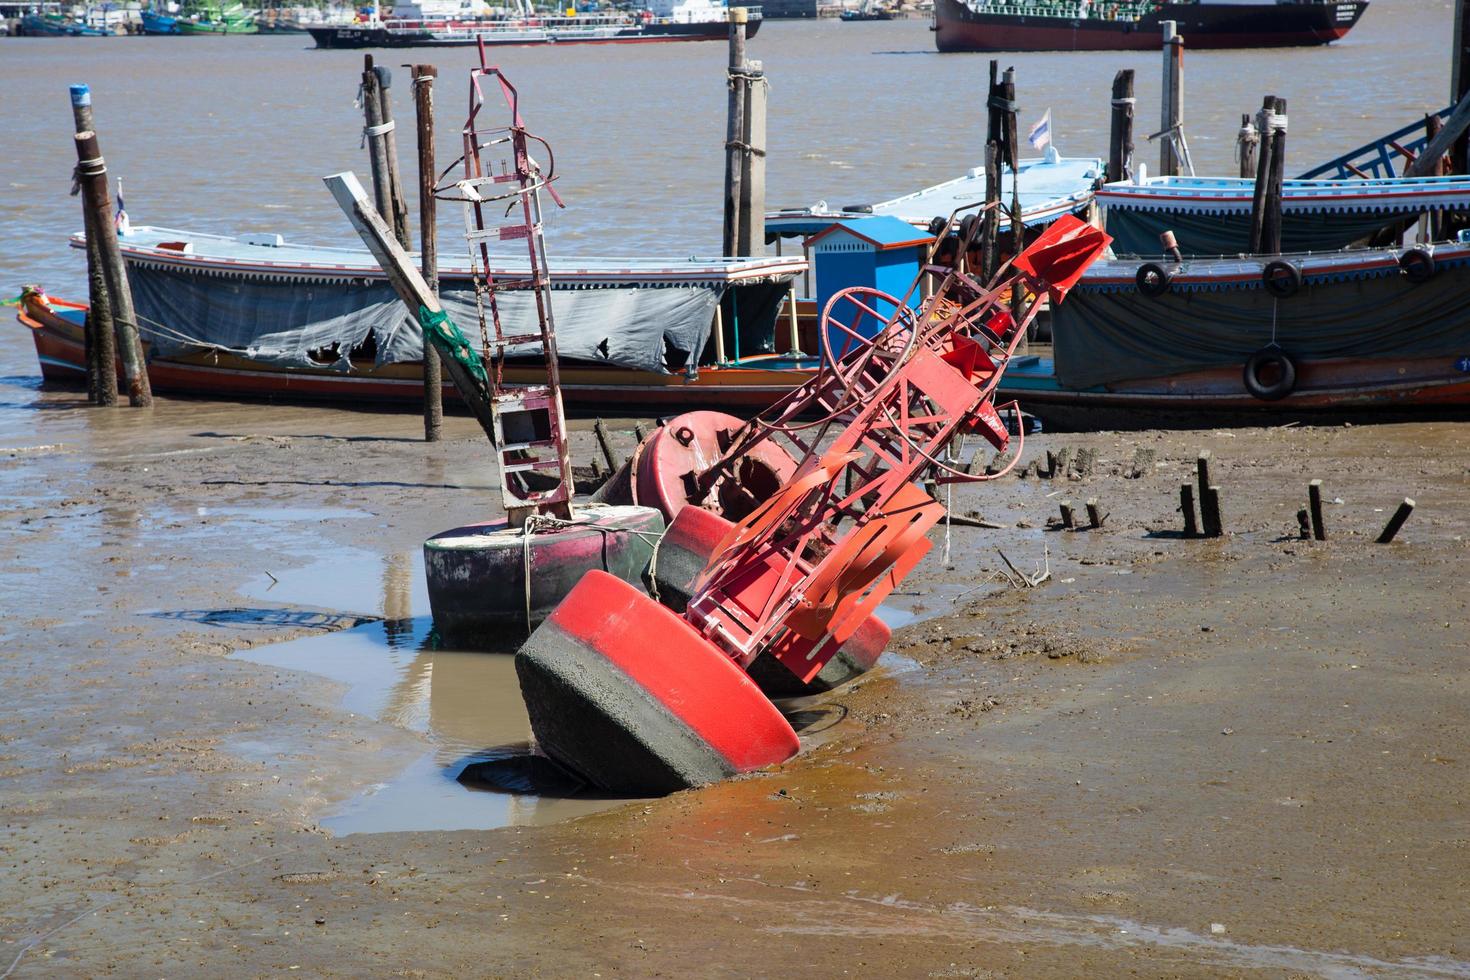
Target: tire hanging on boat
x=1281 y=279
x=1417 y=265
x=1152 y=279
x=1269 y=374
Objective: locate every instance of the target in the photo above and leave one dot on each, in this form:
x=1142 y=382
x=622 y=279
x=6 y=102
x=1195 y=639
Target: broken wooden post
x=100 y=340
x=1069 y=519
x=1120 y=136
x=1209 y=499
x=423 y=103
x=734 y=130
x=1271 y=221
x=604 y=442
x=639 y=432
x=92 y=175
x=1095 y=516
x=1171 y=114
x=1460 y=81
x=1246 y=142
x=1303 y=524
x=753 y=163
x=1396 y=521
x=1186 y=505
x=460 y=358
x=1209 y=509
x=1314 y=502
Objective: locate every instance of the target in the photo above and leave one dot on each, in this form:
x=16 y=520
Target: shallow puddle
x=479 y=771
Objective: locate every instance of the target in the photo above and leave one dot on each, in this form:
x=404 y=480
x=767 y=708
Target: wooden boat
x=1212 y=215
x=1135 y=25
x=1373 y=335
x=259 y=317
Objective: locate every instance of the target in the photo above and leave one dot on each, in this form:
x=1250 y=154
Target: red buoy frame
x=634 y=696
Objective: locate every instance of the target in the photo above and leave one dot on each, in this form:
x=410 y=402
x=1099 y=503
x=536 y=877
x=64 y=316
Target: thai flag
x=120 y=219
x=1040 y=134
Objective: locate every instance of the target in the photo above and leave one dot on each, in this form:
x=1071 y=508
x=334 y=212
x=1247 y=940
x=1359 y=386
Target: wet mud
x=230 y=746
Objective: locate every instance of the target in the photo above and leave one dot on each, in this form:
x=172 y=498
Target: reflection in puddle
x=468 y=706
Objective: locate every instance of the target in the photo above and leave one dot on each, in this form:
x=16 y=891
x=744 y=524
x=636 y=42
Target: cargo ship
x=435 y=23
x=1111 y=25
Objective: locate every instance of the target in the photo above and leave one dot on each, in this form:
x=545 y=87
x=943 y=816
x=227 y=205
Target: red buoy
x=681 y=464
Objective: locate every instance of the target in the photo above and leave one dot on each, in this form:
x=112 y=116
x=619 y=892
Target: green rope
x=443 y=334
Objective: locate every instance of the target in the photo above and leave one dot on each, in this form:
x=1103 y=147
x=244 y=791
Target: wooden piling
x=1120 y=135
x=753 y=163
x=990 y=224
x=1186 y=506
x=1396 y=521
x=390 y=147
x=1171 y=112
x=1069 y=517
x=1271 y=221
x=423 y=104
x=1460 y=81
x=92 y=175
x=639 y=432
x=734 y=130
x=1246 y=142
x=1263 y=172
x=377 y=147
x=604 y=443
x=1314 y=503
x=97 y=327
x=1303 y=524
x=1095 y=516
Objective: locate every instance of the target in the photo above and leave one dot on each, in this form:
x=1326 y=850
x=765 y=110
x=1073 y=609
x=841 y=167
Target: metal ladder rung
x=501 y=233
x=520 y=338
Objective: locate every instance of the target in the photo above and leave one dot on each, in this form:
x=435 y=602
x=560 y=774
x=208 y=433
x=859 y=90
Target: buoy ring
x=1417 y=265
x=1270 y=374
x=1281 y=279
x=1152 y=279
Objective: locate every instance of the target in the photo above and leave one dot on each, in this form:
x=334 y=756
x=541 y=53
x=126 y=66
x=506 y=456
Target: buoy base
x=477 y=578
x=626 y=694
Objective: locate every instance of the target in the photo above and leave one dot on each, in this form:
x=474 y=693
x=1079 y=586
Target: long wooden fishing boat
x=1366 y=334
x=254 y=316
x=1135 y=25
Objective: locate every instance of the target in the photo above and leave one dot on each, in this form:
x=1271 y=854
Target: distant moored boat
x=1120 y=25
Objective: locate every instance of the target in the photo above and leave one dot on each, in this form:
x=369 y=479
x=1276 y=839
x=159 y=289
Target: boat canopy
x=1050 y=187
x=260 y=297
x=1211 y=215
x=1217 y=313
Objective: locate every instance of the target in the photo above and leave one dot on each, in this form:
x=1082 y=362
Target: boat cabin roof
x=1203 y=194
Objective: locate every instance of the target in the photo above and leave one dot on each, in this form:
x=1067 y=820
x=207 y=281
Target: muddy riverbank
x=1173 y=758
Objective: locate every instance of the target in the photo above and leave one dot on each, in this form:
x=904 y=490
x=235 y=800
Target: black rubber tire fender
x=1269 y=360
x=1152 y=279
x=1417 y=265
x=1281 y=279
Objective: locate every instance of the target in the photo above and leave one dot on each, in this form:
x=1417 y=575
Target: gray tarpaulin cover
x=282 y=322
x=1106 y=336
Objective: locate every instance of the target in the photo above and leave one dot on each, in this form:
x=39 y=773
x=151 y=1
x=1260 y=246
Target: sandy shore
x=1245 y=756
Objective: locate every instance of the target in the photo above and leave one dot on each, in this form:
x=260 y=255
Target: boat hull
x=1386 y=390
x=366 y=36
x=1203 y=25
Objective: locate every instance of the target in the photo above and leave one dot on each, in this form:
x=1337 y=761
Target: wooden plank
x=407 y=282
